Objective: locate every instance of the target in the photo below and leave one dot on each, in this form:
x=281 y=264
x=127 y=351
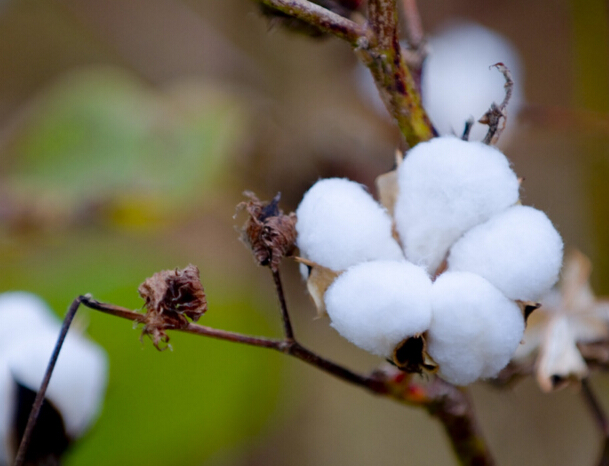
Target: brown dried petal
x=269 y=233
x=560 y=361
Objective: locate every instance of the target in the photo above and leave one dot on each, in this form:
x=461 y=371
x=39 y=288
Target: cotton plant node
x=268 y=232
x=172 y=297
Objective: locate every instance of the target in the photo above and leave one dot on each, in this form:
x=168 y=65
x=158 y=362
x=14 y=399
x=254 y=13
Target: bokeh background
x=129 y=129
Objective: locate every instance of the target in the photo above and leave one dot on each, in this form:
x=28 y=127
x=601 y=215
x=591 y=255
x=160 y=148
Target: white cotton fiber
x=23 y=314
x=474 y=330
x=457 y=83
x=519 y=251
x=447 y=186
x=375 y=305
x=79 y=380
x=339 y=224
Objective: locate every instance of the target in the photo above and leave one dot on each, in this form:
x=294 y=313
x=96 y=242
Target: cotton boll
x=339 y=224
x=375 y=305
x=446 y=186
x=79 y=380
x=457 y=83
x=519 y=251
x=23 y=314
x=474 y=330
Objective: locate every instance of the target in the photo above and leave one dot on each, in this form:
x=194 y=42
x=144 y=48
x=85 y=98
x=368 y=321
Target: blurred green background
x=129 y=129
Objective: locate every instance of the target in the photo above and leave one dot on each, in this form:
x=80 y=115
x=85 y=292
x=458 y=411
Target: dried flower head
x=269 y=233
x=171 y=297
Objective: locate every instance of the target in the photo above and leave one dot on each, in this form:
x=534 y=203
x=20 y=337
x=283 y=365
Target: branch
x=442 y=400
x=391 y=75
x=377 y=46
x=287 y=325
x=601 y=420
x=322 y=18
x=454 y=409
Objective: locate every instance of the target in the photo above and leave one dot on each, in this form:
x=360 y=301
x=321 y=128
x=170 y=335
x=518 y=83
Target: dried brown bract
x=171 y=297
x=319 y=280
x=410 y=355
x=268 y=232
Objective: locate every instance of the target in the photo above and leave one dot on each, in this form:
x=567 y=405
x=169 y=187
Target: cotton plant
x=443 y=284
x=75 y=393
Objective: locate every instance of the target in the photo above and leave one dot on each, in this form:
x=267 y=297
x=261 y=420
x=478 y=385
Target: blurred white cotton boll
x=447 y=186
x=457 y=83
x=22 y=314
x=376 y=305
x=519 y=251
x=474 y=330
x=79 y=379
x=339 y=224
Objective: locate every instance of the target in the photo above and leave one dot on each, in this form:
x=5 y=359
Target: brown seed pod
x=269 y=233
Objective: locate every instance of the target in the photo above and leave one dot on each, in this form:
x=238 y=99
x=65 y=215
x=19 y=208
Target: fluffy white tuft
x=457 y=83
x=79 y=380
x=23 y=314
x=519 y=251
x=339 y=225
x=474 y=330
x=30 y=330
x=375 y=305
x=447 y=186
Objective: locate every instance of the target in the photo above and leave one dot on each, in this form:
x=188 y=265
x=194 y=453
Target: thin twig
x=496 y=117
x=417 y=51
x=39 y=400
x=414 y=26
x=595 y=407
x=322 y=18
x=598 y=413
x=287 y=325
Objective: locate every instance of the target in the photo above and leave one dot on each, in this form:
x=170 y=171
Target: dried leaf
x=569 y=319
x=559 y=362
x=269 y=233
x=320 y=278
